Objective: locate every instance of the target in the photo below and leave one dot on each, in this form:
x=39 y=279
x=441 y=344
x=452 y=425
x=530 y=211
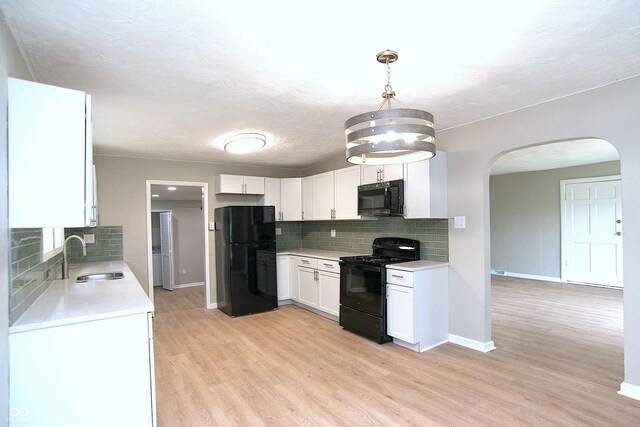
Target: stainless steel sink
x=94 y=277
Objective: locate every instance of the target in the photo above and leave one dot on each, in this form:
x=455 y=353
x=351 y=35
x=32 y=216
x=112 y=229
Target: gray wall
x=122 y=199
x=11 y=64
x=525 y=218
x=473 y=148
x=188 y=239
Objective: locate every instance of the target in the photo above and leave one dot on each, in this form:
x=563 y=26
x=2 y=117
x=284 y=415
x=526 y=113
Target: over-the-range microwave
x=381 y=199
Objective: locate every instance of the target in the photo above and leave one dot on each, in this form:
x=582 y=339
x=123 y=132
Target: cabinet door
x=329 y=288
x=284 y=291
x=307 y=198
x=308 y=286
x=291 y=199
x=323 y=196
x=68 y=375
x=393 y=172
x=254 y=185
x=272 y=195
x=400 y=313
x=47 y=155
x=370 y=173
x=230 y=184
x=425 y=188
x=294 y=282
x=346 y=193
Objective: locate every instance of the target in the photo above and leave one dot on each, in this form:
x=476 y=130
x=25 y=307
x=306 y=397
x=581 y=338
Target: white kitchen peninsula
x=82 y=354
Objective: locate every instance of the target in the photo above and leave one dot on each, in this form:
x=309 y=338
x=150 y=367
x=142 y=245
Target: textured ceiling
x=168 y=77
x=556 y=155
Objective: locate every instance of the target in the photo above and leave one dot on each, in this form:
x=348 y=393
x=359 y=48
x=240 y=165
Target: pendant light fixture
x=390 y=135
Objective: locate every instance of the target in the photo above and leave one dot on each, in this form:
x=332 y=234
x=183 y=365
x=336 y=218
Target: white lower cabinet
x=329 y=287
x=315 y=284
x=418 y=307
x=308 y=286
x=282 y=274
x=97 y=373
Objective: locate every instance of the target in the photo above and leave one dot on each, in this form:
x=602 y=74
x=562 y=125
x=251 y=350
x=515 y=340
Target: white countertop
x=66 y=302
x=417 y=265
x=317 y=253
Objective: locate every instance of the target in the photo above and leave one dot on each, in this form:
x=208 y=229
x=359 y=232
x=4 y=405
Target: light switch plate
x=278 y=231
x=89 y=238
x=459 y=221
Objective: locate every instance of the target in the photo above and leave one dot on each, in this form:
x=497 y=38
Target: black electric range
x=363 y=301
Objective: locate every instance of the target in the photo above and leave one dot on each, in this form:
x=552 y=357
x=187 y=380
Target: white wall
x=611 y=113
x=122 y=199
x=11 y=65
x=525 y=218
x=188 y=239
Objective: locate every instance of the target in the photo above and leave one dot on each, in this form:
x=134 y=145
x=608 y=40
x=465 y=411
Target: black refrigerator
x=246 y=259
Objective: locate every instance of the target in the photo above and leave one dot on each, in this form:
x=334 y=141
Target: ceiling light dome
x=245 y=143
x=392 y=135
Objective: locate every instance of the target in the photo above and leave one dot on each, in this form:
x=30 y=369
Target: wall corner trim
x=484 y=347
x=630 y=390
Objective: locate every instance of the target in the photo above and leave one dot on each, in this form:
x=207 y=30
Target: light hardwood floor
x=558 y=362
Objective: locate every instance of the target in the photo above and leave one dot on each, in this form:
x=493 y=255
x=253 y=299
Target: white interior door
x=166 y=248
x=592 y=235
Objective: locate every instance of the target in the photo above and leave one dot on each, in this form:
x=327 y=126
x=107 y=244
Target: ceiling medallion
x=391 y=135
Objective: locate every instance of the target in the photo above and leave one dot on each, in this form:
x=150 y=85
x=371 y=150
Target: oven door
x=362 y=287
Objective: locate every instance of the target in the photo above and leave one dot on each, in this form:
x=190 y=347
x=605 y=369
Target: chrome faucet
x=65 y=263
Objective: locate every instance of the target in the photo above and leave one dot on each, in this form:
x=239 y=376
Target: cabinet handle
x=304 y=261
x=328 y=265
x=398 y=276
x=303 y=215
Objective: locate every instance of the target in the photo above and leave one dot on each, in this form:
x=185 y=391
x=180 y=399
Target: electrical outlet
x=183 y=271
x=459 y=222
x=278 y=231
x=333 y=233
x=89 y=238
x=212 y=226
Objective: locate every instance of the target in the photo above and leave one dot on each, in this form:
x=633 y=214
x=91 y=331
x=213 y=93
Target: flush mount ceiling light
x=171 y=188
x=391 y=135
x=245 y=143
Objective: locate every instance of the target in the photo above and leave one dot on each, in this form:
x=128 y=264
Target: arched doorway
x=563 y=327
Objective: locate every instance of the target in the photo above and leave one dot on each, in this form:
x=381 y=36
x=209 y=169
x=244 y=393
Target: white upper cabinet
x=346 y=183
x=272 y=194
x=378 y=173
x=50 y=156
x=237 y=184
x=322 y=196
x=286 y=195
x=291 y=199
x=425 y=188
x=307 y=198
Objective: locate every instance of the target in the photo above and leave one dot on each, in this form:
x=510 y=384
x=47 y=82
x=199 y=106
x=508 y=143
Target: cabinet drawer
x=328 y=265
x=399 y=277
x=307 y=262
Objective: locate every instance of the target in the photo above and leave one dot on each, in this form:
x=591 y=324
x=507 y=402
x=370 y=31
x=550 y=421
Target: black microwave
x=381 y=198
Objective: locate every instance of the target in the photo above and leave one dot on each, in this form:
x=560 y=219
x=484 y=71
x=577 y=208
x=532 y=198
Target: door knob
x=618 y=221
x=618 y=233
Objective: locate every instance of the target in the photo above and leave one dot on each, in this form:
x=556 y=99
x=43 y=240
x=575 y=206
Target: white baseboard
x=188 y=285
x=484 y=347
x=525 y=276
x=212 y=305
x=630 y=390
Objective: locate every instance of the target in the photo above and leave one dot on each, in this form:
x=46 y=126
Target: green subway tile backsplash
x=357 y=236
x=30 y=276
x=107 y=246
